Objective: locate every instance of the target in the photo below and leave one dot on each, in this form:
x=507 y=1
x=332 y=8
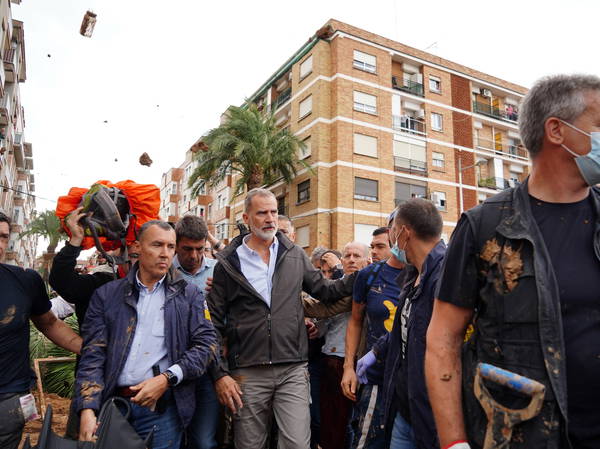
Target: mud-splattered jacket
x=254 y=333
x=388 y=350
x=517 y=321
x=108 y=332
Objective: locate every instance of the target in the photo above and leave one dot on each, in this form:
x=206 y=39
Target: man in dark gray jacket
x=257 y=311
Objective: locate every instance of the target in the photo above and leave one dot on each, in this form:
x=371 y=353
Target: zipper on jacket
x=270 y=341
x=127 y=347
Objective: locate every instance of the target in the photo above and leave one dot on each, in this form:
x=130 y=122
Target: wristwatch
x=171 y=377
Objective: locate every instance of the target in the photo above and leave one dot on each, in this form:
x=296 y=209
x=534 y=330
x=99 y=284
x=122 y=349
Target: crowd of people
x=373 y=346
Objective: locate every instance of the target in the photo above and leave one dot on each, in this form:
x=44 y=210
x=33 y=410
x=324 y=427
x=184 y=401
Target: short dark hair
x=381 y=230
x=191 y=227
x=161 y=224
x=4 y=218
x=422 y=216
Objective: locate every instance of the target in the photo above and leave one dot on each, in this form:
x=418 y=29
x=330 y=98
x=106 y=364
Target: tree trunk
x=256 y=178
x=48 y=258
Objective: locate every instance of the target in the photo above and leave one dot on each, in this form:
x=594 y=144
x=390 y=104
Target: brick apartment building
x=383 y=122
x=177 y=199
x=17 y=182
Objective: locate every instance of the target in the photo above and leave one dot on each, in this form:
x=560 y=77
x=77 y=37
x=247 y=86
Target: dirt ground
x=60 y=412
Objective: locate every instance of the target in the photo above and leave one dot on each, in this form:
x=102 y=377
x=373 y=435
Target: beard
x=263 y=234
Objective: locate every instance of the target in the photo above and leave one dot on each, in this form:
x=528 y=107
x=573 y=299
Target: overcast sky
x=162 y=72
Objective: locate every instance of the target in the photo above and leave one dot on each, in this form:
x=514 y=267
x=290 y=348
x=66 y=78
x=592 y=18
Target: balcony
x=509 y=113
x=409 y=124
x=497 y=183
x=8 y=61
x=5 y=109
x=282 y=98
x=411 y=166
x=204 y=200
x=412 y=87
x=502 y=148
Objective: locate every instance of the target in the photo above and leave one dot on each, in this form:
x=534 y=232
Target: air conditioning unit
x=485 y=92
x=421 y=113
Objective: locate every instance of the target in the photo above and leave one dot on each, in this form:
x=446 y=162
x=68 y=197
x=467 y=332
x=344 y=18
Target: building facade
x=384 y=122
x=212 y=203
x=17 y=183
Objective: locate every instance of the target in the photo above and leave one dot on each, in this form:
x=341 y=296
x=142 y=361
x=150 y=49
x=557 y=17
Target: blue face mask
x=399 y=254
x=588 y=164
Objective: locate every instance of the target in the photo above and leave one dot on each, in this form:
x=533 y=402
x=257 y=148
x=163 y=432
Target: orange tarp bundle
x=144 y=203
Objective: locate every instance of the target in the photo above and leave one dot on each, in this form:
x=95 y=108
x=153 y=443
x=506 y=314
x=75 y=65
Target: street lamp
x=460 y=183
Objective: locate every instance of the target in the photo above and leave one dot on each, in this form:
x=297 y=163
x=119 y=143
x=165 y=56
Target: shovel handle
x=510 y=380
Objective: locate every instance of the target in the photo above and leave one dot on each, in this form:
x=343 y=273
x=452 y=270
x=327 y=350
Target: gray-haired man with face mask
x=526 y=265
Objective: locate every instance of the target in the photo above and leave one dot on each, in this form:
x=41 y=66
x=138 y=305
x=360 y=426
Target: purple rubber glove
x=363 y=365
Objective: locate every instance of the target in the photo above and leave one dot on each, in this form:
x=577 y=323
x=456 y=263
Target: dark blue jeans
x=202 y=430
x=367 y=419
x=168 y=428
x=402 y=434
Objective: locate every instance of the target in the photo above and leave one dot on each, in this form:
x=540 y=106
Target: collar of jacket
x=174 y=282
x=434 y=257
x=229 y=254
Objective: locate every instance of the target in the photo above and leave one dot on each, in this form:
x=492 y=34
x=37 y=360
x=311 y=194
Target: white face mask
x=588 y=164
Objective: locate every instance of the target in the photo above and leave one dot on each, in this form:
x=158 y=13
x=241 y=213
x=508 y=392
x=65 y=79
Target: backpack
x=108 y=212
x=108 y=215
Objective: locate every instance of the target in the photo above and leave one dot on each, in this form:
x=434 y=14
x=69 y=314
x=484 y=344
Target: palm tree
x=46 y=225
x=249 y=144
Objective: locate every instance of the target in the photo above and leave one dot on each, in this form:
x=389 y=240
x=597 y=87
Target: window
x=305 y=107
x=303 y=236
x=365 y=102
x=201 y=211
x=363 y=232
x=513 y=179
x=304 y=191
x=364 y=61
x=174 y=189
x=221 y=229
x=221 y=201
x=439 y=199
x=306 y=67
x=437 y=160
x=436 y=121
x=366 y=189
x=305 y=152
x=435 y=84
x=405 y=192
x=366 y=145
x=409 y=157
x=209 y=212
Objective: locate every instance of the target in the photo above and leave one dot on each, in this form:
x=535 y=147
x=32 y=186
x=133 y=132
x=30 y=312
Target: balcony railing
x=497 y=183
x=409 y=124
x=509 y=113
x=282 y=98
x=408 y=86
x=410 y=165
x=502 y=148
